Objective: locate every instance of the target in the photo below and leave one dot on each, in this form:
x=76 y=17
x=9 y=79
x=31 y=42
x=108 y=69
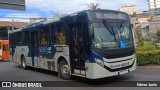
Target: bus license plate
x=123 y=71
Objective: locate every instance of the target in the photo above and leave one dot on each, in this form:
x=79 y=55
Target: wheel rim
x=65 y=70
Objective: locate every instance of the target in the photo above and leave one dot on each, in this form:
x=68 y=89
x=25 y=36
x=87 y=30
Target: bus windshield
x=112 y=35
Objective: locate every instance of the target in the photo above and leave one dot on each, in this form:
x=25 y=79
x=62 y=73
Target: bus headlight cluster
x=100 y=62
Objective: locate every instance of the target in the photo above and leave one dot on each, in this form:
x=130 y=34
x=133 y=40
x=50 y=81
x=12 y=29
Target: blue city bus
x=91 y=44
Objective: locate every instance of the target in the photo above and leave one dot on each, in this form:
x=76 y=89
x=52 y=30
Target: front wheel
x=64 y=70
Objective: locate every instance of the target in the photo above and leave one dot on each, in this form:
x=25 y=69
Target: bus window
x=7 y=47
x=4 y=48
x=58 y=33
x=44 y=36
x=26 y=37
x=19 y=38
x=53 y=34
x=62 y=38
x=35 y=39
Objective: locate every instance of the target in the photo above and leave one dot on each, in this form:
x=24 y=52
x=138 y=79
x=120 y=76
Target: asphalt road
x=13 y=72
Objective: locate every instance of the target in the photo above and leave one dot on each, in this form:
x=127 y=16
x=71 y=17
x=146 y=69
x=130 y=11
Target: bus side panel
x=64 y=53
x=48 y=63
x=19 y=52
x=16 y=55
x=24 y=50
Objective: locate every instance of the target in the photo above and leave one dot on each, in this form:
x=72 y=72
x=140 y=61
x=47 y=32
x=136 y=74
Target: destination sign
x=109 y=15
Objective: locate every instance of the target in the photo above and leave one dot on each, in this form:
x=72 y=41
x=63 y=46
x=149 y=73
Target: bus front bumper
x=96 y=71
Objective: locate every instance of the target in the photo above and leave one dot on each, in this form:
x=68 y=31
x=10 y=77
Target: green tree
x=158 y=34
x=93 y=6
x=138 y=35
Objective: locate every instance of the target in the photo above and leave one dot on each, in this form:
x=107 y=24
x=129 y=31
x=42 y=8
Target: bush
x=148 y=57
x=147 y=46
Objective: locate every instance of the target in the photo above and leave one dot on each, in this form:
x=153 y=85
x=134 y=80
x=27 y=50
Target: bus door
x=5 y=51
x=34 y=48
x=77 y=48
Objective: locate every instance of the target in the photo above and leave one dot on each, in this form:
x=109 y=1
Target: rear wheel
x=23 y=63
x=64 y=70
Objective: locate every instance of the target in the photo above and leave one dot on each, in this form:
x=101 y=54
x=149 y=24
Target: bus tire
x=63 y=70
x=23 y=63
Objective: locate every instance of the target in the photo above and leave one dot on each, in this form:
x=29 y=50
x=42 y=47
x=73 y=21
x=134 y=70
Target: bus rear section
x=4 y=50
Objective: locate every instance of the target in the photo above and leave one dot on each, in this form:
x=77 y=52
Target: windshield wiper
x=109 y=28
x=122 y=26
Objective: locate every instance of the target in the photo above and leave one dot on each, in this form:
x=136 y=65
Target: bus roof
x=38 y=24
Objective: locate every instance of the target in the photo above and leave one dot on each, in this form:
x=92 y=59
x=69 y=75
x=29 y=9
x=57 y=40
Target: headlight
x=100 y=62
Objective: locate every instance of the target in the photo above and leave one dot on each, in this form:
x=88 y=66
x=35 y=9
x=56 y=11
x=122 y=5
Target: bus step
x=79 y=75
